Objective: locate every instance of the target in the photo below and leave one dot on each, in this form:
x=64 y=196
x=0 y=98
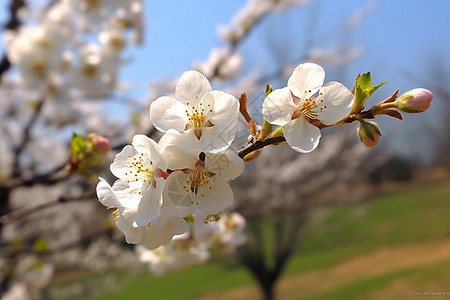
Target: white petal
x=144 y=144
x=278 y=107
x=179 y=159
x=306 y=78
x=153 y=238
x=168 y=139
x=192 y=86
x=225 y=110
x=301 y=135
x=216 y=139
x=174 y=193
x=121 y=163
x=128 y=196
x=179 y=226
x=216 y=199
x=150 y=205
x=212 y=140
x=106 y=195
x=226 y=164
x=131 y=233
x=167 y=112
x=338 y=101
x=170 y=210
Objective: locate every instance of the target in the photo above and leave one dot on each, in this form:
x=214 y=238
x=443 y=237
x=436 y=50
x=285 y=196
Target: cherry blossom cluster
x=160 y=184
x=184 y=176
x=74 y=44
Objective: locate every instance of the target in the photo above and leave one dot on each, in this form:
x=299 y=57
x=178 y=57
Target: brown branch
x=26 y=138
x=260 y=144
x=47 y=178
x=24 y=212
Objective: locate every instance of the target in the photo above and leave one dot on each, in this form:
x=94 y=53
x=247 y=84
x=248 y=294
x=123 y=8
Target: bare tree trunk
x=267 y=252
x=4 y=208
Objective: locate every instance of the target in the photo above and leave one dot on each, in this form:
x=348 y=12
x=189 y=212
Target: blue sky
x=397 y=35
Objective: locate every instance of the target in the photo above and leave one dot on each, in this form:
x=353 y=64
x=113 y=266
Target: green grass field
x=408 y=217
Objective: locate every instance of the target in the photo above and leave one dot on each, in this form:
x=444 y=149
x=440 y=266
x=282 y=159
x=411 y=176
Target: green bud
x=369 y=134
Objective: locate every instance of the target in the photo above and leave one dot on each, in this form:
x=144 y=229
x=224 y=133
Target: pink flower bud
x=369 y=134
x=101 y=143
x=414 y=101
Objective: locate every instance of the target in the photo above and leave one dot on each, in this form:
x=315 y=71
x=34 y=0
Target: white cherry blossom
x=205 y=119
x=140 y=167
x=154 y=234
x=198 y=180
x=296 y=108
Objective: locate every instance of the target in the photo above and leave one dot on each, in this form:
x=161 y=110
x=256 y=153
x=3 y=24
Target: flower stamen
x=198 y=117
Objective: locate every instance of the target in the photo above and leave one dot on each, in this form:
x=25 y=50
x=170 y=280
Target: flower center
x=196 y=185
x=141 y=169
x=90 y=70
x=309 y=108
x=199 y=180
x=198 y=116
x=38 y=67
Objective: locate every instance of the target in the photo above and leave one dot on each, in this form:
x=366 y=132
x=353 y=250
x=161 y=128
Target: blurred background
x=343 y=222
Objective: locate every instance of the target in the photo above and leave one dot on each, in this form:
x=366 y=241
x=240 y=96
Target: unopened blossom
x=100 y=143
x=140 y=168
x=205 y=119
x=414 y=101
x=297 y=108
x=198 y=179
x=158 y=232
x=369 y=134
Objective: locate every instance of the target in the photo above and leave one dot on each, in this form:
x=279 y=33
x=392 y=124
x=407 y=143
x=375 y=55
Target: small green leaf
x=364 y=89
x=364 y=81
x=77 y=145
x=359 y=97
x=40 y=245
x=372 y=90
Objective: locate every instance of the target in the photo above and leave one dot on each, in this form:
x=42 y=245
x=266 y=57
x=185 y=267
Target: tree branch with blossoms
x=302 y=113
x=172 y=194
x=183 y=174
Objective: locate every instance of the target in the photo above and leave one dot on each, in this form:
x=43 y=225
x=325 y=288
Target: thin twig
x=26 y=137
x=260 y=144
x=47 y=178
x=24 y=212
